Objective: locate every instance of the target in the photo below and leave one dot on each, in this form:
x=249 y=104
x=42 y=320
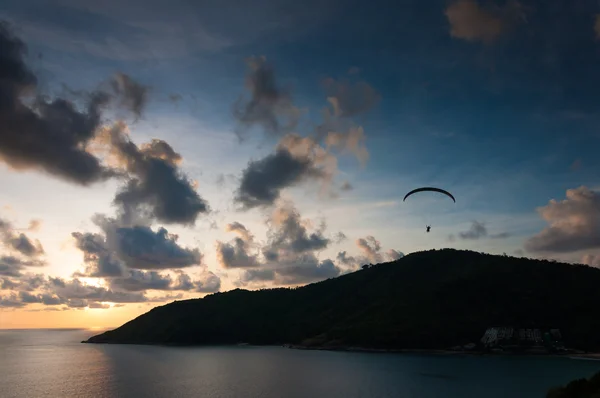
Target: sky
x=153 y=151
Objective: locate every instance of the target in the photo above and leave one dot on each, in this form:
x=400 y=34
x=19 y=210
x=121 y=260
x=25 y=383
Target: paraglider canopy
x=432 y=189
x=428 y=212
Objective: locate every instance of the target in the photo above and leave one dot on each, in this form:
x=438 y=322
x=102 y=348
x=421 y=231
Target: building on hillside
x=511 y=337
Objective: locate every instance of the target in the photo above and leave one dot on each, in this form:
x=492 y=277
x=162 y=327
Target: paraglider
x=430 y=189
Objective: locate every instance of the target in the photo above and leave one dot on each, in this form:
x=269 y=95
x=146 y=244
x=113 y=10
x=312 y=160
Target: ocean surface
x=53 y=363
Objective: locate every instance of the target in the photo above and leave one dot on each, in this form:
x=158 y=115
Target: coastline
x=572 y=354
x=568 y=354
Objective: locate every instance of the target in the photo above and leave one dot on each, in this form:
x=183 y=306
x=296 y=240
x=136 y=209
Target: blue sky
x=494 y=101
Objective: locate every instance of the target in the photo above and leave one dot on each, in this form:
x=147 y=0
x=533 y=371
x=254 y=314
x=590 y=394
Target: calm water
x=45 y=363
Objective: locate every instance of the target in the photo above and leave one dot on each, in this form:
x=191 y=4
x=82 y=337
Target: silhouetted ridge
x=432 y=299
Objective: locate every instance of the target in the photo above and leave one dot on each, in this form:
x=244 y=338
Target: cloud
x=346 y=186
x=305 y=268
x=394 y=255
x=142 y=248
x=591 y=260
x=11 y=301
x=99 y=259
x=24 y=282
x=348 y=99
x=235 y=254
x=156 y=184
x=288 y=234
x=126 y=246
x=73 y=293
x=49 y=135
x=97 y=305
x=19 y=242
x=295 y=160
x=139 y=281
x=263 y=180
x=288 y=256
x=12 y=266
x=34 y=225
x=478 y=230
x=133 y=94
x=371 y=248
x=574 y=223
x=270 y=106
x=469 y=21
x=371 y=254
x=351 y=141
x=340 y=237
x=309 y=270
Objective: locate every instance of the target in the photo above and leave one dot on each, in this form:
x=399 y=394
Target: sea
x=53 y=363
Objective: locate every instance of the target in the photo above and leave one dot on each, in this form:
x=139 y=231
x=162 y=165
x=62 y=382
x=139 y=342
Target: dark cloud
x=501 y=235
x=236 y=254
x=476 y=231
x=44 y=298
x=19 y=242
x=302 y=269
x=270 y=106
x=263 y=180
x=207 y=282
x=307 y=271
x=344 y=258
x=100 y=260
x=142 y=248
x=50 y=135
x=296 y=159
x=11 y=301
x=350 y=99
x=156 y=184
x=72 y=293
x=126 y=246
x=133 y=94
x=12 y=266
x=256 y=275
x=346 y=186
x=288 y=234
x=74 y=290
x=140 y=281
x=97 y=305
x=25 y=282
x=288 y=256
x=574 y=223
x=472 y=22
x=9 y=284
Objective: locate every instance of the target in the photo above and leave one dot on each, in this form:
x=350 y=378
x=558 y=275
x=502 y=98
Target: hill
x=426 y=300
x=580 y=388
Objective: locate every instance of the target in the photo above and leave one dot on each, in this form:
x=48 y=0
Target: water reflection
x=54 y=364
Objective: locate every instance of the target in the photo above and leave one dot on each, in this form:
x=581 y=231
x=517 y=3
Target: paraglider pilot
x=428 y=227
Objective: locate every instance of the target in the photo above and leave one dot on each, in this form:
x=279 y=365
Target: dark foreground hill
x=426 y=300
